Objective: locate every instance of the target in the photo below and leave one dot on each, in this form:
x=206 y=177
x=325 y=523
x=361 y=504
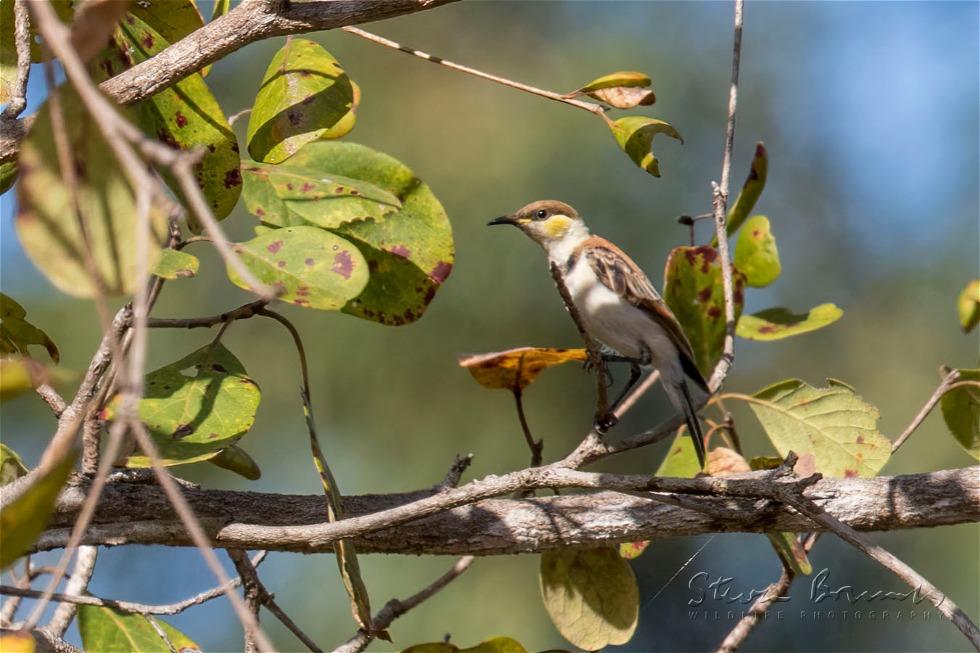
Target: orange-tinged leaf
x=515 y=369
x=633 y=550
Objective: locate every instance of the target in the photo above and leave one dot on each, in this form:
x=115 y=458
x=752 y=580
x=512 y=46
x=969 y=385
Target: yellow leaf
x=515 y=369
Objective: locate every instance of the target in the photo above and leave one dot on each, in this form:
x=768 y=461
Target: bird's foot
x=607 y=375
x=606 y=422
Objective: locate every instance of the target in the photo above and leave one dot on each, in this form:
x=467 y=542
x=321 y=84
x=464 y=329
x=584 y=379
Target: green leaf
x=310 y=266
x=196 y=406
x=288 y=194
x=495 y=645
x=236 y=459
x=221 y=7
x=344 y=126
x=681 y=460
x=18 y=374
x=171 y=19
x=624 y=78
x=174 y=264
x=622 y=90
x=786 y=545
x=185 y=115
x=410 y=252
x=635 y=136
x=961 y=410
x=11 y=466
x=46 y=223
x=756 y=255
x=110 y=631
x=591 y=596
x=8 y=51
x=633 y=550
x=750 y=192
x=779 y=323
x=304 y=93
x=968 y=306
x=9 y=172
x=831 y=429
x=23 y=519
x=17 y=334
x=693 y=291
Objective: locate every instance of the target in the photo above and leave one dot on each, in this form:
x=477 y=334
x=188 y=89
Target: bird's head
x=547 y=222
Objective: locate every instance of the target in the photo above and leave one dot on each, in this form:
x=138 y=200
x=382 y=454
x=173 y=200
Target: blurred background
x=870 y=115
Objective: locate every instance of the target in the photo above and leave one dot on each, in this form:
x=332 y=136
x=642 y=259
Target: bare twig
x=78 y=584
x=397 y=607
x=948 y=383
x=241 y=313
x=536 y=447
x=22 y=42
x=52 y=398
x=460 y=465
x=591 y=107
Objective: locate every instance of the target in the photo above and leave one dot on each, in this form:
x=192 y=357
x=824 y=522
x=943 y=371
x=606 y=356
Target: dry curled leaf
x=515 y=369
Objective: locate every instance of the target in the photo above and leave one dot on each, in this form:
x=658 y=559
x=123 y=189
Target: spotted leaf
x=310 y=267
x=750 y=192
x=174 y=264
x=515 y=369
x=756 y=255
x=195 y=407
x=778 y=323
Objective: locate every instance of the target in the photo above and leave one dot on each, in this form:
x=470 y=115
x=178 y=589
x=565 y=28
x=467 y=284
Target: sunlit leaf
x=633 y=550
x=237 y=460
x=750 y=192
x=622 y=90
x=495 y=645
x=23 y=519
x=410 y=252
x=968 y=306
x=344 y=126
x=831 y=429
x=309 y=266
x=681 y=460
x=961 y=410
x=756 y=255
x=46 y=222
x=591 y=596
x=635 y=136
x=515 y=369
x=778 y=323
x=693 y=291
x=17 y=334
x=16 y=642
x=288 y=194
x=304 y=93
x=109 y=631
x=195 y=407
x=174 y=264
x=11 y=466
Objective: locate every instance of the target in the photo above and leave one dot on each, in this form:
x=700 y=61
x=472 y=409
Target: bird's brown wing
x=619 y=273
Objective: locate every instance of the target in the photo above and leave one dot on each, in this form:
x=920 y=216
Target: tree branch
x=465 y=521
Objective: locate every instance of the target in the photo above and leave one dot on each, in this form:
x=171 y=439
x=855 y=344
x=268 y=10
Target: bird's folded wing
x=619 y=273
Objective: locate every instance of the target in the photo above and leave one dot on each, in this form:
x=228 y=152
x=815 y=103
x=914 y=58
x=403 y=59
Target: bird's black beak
x=504 y=219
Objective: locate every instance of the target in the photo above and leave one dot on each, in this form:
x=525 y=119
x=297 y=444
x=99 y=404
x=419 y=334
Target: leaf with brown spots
x=635 y=136
x=756 y=255
x=185 y=115
x=750 y=192
x=778 y=323
x=46 y=222
x=304 y=93
x=836 y=426
x=633 y=550
x=968 y=306
x=622 y=90
x=174 y=264
x=311 y=267
x=515 y=369
x=961 y=410
x=693 y=291
x=195 y=407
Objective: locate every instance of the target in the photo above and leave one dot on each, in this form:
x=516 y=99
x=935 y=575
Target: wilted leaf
x=624 y=78
x=237 y=460
x=304 y=93
x=635 y=136
x=693 y=291
x=312 y=267
x=722 y=461
x=756 y=255
x=622 y=90
x=24 y=518
x=961 y=410
x=18 y=374
x=591 y=596
x=174 y=264
x=968 y=306
x=833 y=425
x=778 y=323
x=515 y=369
x=410 y=252
x=17 y=334
x=344 y=126
x=109 y=631
x=185 y=115
x=633 y=550
x=46 y=223
x=288 y=194
x=11 y=466
x=750 y=192
x=195 y=407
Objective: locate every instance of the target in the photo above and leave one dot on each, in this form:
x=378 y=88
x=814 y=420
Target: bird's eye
x=541 y=213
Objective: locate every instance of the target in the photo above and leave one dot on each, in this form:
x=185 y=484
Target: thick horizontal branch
x=251 y=21
x=139 y=513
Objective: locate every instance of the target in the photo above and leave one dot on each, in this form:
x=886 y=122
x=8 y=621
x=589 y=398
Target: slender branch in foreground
x=395 y=608
x=78 y=584
x=22 y=44
x=241 y=313
x=591 y=107
x=948 y=383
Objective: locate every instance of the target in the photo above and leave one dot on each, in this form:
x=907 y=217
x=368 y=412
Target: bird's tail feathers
x=693 y=424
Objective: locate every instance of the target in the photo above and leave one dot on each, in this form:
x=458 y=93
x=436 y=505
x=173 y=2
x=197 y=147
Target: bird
x=619 y=308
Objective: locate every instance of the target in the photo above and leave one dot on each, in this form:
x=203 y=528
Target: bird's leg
x=610 y=420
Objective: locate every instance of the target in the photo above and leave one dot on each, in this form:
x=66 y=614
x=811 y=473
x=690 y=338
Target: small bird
x=619 y=307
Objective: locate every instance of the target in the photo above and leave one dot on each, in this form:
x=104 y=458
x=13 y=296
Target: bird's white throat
x=560 y=249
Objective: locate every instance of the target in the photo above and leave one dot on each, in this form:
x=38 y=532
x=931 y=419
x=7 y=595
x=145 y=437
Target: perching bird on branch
x=618 y=307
